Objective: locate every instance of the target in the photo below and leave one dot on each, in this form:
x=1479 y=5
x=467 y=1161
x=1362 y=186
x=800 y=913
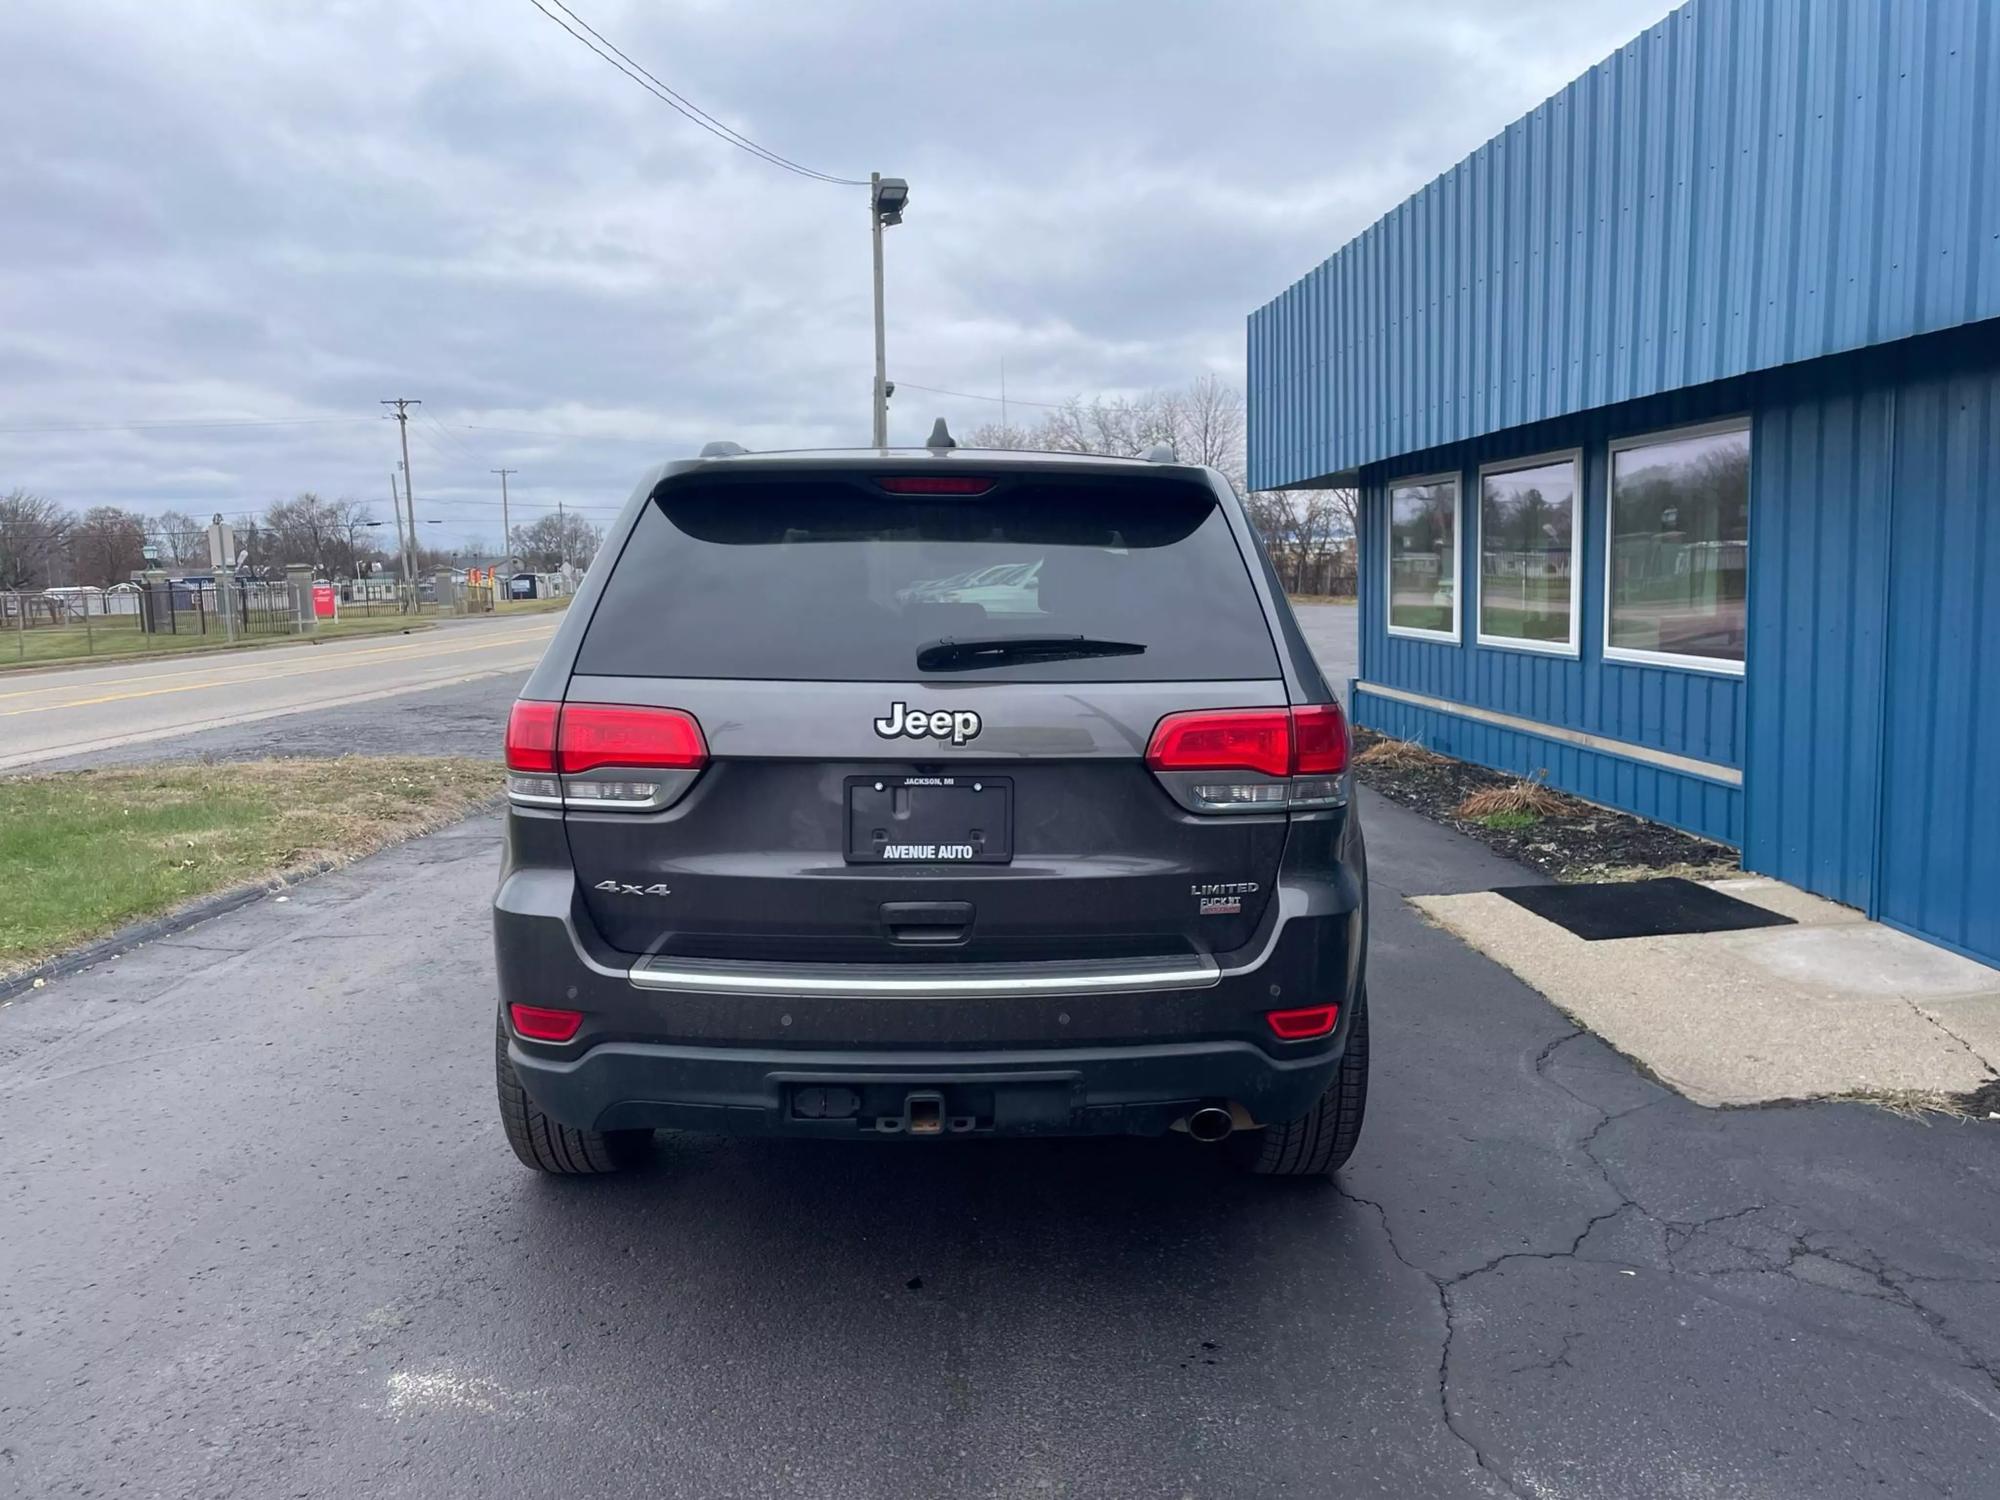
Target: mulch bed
x=1583 y=842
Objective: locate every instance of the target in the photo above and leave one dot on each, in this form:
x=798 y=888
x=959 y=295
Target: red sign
x=325 y=606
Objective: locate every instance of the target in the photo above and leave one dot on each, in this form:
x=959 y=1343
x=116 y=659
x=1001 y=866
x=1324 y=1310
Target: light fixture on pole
x=887 y=198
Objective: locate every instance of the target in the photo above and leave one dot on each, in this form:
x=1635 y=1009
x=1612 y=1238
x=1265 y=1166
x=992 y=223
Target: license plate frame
x=906 y=819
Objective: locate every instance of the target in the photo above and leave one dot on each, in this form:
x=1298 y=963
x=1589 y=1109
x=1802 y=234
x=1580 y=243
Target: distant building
x=1675 y=414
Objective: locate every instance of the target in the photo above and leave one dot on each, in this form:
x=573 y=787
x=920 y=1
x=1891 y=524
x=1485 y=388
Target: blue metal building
x=1675 y=414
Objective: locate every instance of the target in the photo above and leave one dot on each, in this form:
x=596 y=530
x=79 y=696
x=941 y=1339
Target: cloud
x=226 y=211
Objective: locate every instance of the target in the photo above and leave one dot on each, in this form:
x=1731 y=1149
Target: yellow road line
x=197 y=726
x=343 y=665
x=251 y=660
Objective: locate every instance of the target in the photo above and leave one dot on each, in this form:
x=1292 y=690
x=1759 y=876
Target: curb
x=154 y=928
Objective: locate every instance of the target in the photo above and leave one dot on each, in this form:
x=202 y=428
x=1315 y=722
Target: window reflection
x=1680 y=512
x=1423 y=556
x=1527 y=520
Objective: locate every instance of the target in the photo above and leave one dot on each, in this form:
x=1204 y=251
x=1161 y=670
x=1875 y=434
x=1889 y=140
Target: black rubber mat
x=1640 y=908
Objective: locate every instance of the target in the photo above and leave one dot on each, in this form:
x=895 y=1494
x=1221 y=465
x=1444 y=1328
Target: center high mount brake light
x=934 y=484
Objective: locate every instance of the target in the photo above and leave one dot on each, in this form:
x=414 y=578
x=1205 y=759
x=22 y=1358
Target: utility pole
x=403 y=405
x=562 y=538
x=506 y=531
x=402 y=542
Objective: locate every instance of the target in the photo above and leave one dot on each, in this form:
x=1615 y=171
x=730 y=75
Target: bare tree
x=353 y=522
x=996 y=435
x=1207 y=420
x=555 y=540
x=305 y=529
x=34 y=532
x=183 y=540
x=108 y=546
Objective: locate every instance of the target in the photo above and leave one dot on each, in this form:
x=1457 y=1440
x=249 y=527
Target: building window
x=1678 y=548
x=1528 y=531
x=1423 y=558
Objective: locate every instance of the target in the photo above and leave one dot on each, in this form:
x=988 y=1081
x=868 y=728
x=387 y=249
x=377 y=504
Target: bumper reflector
x=1303 y=1024
x=539 y=1023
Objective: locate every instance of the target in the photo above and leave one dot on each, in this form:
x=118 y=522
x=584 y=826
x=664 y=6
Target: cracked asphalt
x=263 y=1237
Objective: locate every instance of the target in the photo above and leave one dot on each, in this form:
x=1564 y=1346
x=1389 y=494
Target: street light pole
x=886 y=199
x=881 y=337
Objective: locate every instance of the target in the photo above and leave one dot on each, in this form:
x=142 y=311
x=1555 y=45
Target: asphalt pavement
x=124 y=709
x=263 y=1237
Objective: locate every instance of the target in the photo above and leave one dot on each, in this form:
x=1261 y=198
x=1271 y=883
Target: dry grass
x=1393 y=753
x=83 y=853
x=1915 y=1104
x=1523 y=798
x=1721 y=868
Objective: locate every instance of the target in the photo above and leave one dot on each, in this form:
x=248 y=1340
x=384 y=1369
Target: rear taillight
x=558 y=755
x=1284 y=757
x=531 y=736
x=594 y=735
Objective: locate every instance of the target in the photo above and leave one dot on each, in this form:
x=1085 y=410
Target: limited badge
x=1223 y=898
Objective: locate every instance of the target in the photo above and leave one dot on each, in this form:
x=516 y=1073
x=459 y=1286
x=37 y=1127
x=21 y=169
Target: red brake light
x=619 y=734
x=531 y=736
x=934 y=484
x=1303 y=1024
x=1319 y=740
x=539 y=1023
x=1228 y=739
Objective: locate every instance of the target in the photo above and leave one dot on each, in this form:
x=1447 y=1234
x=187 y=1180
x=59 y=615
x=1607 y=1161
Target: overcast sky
x=288 y=209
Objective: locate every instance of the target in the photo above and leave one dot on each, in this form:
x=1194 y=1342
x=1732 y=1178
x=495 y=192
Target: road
x=93 y=712
x=264 y=1238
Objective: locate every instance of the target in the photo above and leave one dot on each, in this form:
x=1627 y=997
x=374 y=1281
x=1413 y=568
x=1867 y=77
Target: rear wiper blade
x=950 y=655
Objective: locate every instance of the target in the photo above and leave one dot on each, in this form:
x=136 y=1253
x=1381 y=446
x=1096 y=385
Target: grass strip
x=72 y=645
x=83 y=853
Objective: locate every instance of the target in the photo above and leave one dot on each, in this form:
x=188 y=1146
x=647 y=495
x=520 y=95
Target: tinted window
x=833 y=580
x=1680 y=545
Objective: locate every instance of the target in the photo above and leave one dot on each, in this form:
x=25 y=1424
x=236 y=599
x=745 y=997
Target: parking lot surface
x=264 y=1238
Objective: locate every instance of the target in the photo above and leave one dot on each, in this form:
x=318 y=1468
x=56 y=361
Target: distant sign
x=326 y=605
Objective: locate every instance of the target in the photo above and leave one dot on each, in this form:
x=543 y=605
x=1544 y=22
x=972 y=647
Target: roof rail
x=723 y=448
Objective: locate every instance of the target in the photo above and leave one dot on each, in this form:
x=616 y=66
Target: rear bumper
x=1014 y=1049
x=1137 y=1090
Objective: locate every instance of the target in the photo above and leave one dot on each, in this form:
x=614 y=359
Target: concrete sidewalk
x=1834 y=1007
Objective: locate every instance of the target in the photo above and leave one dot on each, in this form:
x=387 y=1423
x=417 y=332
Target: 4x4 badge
x=624 y=888
x=958 y=726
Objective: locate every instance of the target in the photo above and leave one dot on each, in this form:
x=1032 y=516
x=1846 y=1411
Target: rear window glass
x=834 y=580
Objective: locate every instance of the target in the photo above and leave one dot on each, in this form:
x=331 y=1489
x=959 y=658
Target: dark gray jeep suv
x=942 y=792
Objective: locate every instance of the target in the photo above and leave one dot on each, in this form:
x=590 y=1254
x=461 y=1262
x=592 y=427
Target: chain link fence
x=1329 y=577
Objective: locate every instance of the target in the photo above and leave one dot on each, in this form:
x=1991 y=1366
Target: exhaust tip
x=1211 y=1123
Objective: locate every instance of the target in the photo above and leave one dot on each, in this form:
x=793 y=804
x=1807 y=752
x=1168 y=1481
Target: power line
x=679 y=103
x=203 y=423
x=458 y=443
x=911 y=385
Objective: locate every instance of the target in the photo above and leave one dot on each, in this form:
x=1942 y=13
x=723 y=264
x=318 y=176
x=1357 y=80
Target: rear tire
x=548 y=1145
x=1322 y=1141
